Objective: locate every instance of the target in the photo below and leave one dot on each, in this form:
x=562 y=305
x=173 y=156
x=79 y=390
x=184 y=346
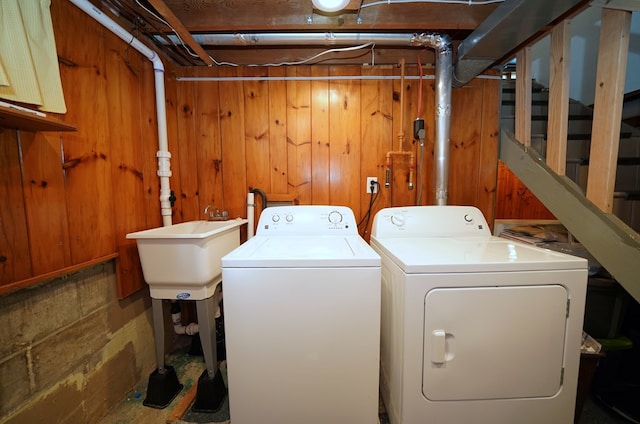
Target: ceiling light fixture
x=330 y=5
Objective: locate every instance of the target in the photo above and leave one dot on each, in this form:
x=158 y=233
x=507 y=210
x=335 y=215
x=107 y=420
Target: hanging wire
x=370 y=44
x=221 y=63
x=160 y=19
x=367 y=216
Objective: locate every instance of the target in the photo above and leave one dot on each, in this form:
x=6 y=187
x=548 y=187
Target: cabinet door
x=494 y=342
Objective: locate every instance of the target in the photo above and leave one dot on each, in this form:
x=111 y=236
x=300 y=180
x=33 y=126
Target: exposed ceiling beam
x=184 y=33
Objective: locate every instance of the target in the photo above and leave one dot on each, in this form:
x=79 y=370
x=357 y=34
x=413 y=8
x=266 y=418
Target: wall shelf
x=17 y=119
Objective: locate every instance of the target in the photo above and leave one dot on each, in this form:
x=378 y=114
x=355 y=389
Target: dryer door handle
x=438 y=346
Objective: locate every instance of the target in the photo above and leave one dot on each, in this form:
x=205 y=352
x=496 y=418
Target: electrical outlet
x=371 y=180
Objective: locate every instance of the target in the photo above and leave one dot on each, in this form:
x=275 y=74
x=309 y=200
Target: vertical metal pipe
x=443 y=80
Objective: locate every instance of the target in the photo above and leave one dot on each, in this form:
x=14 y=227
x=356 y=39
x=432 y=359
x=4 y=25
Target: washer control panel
x=307 y=220
x=430 y=221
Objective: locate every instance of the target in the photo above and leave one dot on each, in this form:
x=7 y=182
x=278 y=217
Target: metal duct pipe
x=443 y=77
x=311 y=38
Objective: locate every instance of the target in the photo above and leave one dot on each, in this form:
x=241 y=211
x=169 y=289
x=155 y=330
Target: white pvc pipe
x=250 y=214
x=189 y=329
x=163 y=155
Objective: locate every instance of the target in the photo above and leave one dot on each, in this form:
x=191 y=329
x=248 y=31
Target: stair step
x=621 y=161
x=572 y=117
x=512 y=90
x=533 y=102
x=587 y=136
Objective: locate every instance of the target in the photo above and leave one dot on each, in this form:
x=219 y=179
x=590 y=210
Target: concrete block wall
x=70 y=350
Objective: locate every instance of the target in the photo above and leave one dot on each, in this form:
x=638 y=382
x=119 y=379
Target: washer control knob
x=398 y=220
x=275 y=218
x=468 y=218
x=335 y=217
x=289 y=218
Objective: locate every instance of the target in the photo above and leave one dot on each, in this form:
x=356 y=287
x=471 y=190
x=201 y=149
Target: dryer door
x=494 y=342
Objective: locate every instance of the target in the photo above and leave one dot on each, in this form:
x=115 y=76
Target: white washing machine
x=302 y=320
x=475 y=328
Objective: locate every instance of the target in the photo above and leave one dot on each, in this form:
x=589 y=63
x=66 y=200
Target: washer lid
x=429 y=255
x=302 y=252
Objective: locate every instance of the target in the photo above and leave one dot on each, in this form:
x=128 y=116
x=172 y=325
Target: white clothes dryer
x=475 y=328
x=302 y=320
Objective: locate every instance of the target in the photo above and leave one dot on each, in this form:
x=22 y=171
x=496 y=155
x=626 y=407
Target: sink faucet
x=214 y=214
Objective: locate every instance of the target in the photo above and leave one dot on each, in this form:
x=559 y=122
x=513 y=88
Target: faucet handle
x=211 y=212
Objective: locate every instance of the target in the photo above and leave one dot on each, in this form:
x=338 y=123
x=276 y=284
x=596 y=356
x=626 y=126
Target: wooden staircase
x=610 y=237
x=626 y=204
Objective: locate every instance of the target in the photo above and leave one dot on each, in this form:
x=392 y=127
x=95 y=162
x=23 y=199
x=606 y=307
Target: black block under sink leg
x=162 y=388
x=211 y=393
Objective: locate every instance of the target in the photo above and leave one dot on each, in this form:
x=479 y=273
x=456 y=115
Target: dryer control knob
x=468 y=218
x=398 y=220
x=289 y=218
x=335 y=217
x=275 y=218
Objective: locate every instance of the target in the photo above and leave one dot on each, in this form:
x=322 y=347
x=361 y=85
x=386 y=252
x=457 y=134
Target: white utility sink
x=182 y=261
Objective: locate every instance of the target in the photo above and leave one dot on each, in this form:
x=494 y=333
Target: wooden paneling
x=87 y=152
x=44 y=195
x=74 y=196
x=15 y=259
x=232 y=137
x=337 y=131
x=376 y=126
x=466 y=131
x=187 y=155
x=278 y=131
x=126 y=72
x=256 y=129
x=344 y=139
x=208 y=147
x=320 y=160
x=516 y=200
x=299 y=133
x=485 y=193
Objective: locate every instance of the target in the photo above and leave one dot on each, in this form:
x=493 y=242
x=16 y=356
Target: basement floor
x=189 y=368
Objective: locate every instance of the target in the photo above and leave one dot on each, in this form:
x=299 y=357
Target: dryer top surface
x=442 y=254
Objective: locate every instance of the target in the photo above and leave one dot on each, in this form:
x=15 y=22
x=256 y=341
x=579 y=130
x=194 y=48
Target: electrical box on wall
x=372 y=185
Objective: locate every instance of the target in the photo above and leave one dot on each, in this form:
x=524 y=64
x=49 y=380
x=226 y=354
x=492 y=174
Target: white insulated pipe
x=302 y=39
x=251 y=206
x=163 y=154
x=178 y=328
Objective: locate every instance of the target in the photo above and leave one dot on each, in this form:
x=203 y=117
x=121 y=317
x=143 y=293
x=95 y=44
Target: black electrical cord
x=372 y=199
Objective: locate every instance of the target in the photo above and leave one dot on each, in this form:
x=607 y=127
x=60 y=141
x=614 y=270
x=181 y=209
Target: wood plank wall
x=315 y=141
x=72 y=197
